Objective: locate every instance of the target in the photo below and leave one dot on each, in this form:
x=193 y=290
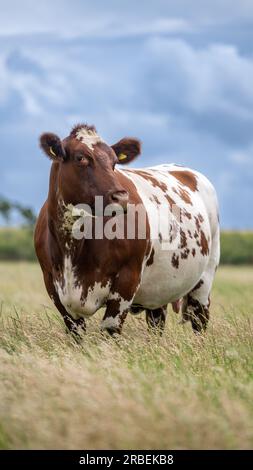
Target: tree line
x=7 y=208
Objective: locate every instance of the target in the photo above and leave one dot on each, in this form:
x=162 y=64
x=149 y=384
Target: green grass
x=136 y=391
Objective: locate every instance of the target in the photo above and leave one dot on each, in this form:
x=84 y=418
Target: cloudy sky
x=177 y=74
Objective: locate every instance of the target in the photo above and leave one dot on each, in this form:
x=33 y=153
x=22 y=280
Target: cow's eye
x=81 y=158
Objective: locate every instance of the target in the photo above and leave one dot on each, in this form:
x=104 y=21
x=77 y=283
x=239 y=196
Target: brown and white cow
x=83 y=274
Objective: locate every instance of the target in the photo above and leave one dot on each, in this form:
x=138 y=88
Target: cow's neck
x=60 y=222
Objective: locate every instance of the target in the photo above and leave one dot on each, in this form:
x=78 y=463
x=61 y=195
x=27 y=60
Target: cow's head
x=87 y=164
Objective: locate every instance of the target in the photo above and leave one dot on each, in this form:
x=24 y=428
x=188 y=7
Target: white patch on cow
x=88 y=137
x=110 y=323
x=70 y=292
x=96 y=297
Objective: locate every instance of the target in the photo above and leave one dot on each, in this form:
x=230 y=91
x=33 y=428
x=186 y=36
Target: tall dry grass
x=136 y=391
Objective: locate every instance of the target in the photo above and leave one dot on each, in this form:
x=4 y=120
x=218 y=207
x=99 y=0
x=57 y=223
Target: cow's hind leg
x=196 y=303
x=196 y=312
x=76 y=327
x=156 y=318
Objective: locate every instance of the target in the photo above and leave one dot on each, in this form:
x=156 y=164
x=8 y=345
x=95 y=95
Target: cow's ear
x=52 y=146
x=127 y=149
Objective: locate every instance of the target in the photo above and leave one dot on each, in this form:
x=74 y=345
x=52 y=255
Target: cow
x=125 y=274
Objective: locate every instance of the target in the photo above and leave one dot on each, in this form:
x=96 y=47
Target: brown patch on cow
x=187 y=214
x=185 y=253
x=175 y=261
x=173 y=231
x=193 y=252
x=198 y=226
x=198 y=285
x=151 y=257
x=180 y=218
x=204 y=244
x=189 y=233
x=183 y=239
x=185 y=196
x=155 y=182
x=170 y=201
x=114 y=308
x=155 y=199
x=198 y=221
x=187 y=178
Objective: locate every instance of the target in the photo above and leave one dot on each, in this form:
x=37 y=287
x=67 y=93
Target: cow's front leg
x=73 y=326
x=76 y=327
x=120 y=299
x=114 y=316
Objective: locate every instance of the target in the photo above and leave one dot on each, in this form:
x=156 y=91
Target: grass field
x=137 y=391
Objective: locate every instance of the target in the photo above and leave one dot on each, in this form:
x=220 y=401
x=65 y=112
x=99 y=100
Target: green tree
x=7 y=207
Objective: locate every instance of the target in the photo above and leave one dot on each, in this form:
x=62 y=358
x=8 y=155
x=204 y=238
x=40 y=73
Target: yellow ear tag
x=52 y=152
x=122 y=156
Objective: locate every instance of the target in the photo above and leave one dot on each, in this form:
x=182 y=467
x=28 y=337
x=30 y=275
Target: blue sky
x=177 y=74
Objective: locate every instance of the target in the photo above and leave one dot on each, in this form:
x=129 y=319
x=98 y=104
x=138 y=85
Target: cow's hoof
x=111 y=331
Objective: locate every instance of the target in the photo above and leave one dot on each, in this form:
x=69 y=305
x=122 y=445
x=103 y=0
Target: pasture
x=135 y=391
